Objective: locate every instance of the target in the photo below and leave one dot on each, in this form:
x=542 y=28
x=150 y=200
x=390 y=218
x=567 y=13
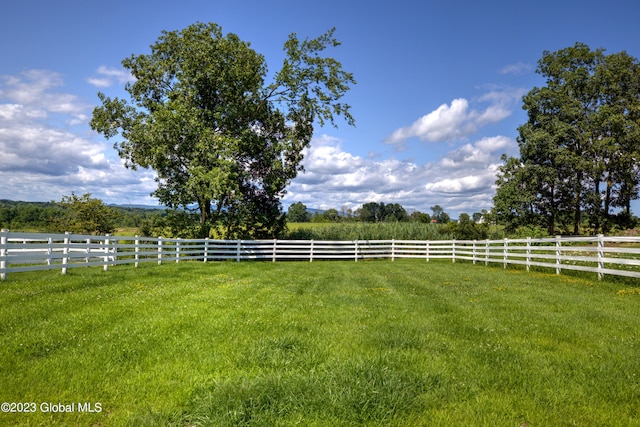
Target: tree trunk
x=577 y=205
x=607 y=205
x=205 y=217
x=596 y=208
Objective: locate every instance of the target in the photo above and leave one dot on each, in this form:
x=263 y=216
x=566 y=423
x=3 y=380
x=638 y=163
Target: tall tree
x=581 y=135
x=559 y=130
x=217 y=134
x=617 y=140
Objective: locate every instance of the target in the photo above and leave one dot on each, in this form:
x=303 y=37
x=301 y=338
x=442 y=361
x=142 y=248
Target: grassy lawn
x=323 y=343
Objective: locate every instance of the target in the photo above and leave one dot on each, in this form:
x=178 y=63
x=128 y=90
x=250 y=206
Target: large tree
x=218 y=135
x=616 y=152
x=581 y=135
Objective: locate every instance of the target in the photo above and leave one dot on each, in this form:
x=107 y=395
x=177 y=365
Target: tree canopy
x=86 y=215
x=580 y=147
x=298 y=212
x=223 y=141
x=379 y=212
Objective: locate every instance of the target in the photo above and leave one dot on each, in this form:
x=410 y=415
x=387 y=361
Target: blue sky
x=437 y=100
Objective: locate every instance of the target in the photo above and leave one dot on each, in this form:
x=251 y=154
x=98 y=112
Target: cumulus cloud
x=445 y=123
x=458 y=120
x=108 y=76
x=461 y=180
x=33 y=96
x=478 y=154
x=42 y=159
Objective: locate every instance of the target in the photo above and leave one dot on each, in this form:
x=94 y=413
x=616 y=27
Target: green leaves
x=309 y=83
x=86 y=215
x=581 y=137
x=202 y=116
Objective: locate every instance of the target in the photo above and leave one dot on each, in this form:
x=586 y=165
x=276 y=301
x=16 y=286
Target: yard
x=323 y=343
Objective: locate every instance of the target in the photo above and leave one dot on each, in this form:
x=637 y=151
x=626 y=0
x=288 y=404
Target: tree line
x=580 y=148
x=467 y=227
x=370 y=212
x=77 y=214
x=87 y=215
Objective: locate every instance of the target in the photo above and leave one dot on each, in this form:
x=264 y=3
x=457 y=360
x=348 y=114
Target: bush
x=533 y=231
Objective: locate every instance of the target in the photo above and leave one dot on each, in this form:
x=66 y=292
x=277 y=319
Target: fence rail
x=600 y=254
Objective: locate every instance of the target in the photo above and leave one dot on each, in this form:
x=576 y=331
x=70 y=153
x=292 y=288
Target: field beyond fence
x=19 y=252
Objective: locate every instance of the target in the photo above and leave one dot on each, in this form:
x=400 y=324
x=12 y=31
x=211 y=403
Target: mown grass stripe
x=371 y=343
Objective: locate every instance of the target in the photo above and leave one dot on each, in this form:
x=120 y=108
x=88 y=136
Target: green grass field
x=315 y=344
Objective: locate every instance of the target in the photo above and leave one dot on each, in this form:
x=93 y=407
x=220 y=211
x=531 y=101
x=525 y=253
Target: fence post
x=106 y=253
x=393 y=249
x=114 y=250
x=600 y=256
x=88 y=250
x=528 y=253
x=49 y=250
x=311 y=252
x=275 y=250
x=137 y=250
x=238 y=247
x=159 y=250
x=3 y=253
x=427 y=250
x=453 y=251
x=65 y=252
x=178 y=250
x=356 y=250
x=474 y=251
x=505 y=253
x=206 y=249
x=558 y=253
x=486 y=252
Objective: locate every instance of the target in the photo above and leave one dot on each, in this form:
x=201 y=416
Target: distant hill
x=6 y=203
x=137 y=206
x=42 y=216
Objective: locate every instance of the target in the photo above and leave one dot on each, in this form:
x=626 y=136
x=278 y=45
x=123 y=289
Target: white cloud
x=517 y=68
x=492 y=114
x=107 y=76
x=458 y=120
x=494 y=143
x=32 y=90
x=462 y=180
x=445 y=123
x=478 y=154
x=10 y=111
x=42 y=159
x=458 y=185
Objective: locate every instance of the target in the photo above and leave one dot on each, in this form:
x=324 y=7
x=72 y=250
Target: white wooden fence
x=601 y=255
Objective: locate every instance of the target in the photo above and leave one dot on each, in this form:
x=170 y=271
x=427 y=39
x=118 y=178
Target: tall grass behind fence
x=602 y=255
x=372 y=231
